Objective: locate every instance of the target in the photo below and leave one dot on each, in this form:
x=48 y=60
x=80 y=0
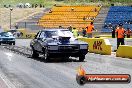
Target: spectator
x=16 y=26
x=40 y=6
x=5 y=6
x=18 y=34
x=72 y=9
x=20 y=5
x=36 y=5
x=50 y=11
x=105 y=25
x=113 y=31
x=70 y=28
x=84 y=32
x=128 y=32
x=89 y=30
x=27 y=5
x=9 y=6
x=110 y=25
x=84 y=18
x=95 y=10
x=21 y=34
x=60 y=27
x=75 y=32
x=120 y=35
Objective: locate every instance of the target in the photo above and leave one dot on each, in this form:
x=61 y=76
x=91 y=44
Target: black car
x=58 y=43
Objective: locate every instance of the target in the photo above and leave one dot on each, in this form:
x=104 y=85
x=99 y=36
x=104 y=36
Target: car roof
x=53 y=29
x=5 y=32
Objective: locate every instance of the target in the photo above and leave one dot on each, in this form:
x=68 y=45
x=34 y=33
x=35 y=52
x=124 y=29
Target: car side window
x=42 y=35
x=38 y=34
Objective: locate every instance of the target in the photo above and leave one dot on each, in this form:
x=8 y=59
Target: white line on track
x=9 y=55
x=6 y=81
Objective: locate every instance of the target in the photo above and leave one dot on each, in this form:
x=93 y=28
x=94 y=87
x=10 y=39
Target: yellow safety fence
x=22 y=34
x=98 y=45
x=124 y=51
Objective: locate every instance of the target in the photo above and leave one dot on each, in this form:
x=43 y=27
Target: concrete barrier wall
x=124 y=51
x=98 y=45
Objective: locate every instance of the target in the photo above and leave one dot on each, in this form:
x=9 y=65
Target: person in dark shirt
x=128 y=32
x=70 y=28
x=113 y=31
x=84 y=32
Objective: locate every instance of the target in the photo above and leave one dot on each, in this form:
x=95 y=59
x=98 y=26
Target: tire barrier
x=98 y=45
x=124 y=51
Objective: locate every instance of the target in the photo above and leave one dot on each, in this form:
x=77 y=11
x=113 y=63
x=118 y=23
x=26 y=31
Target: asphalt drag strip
x=26 y=72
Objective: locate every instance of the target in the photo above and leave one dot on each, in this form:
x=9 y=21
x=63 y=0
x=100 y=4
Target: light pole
x=10 y=16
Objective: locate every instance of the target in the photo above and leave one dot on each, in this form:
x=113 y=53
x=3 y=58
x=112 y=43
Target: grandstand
x=116 y=15
x=76 y=16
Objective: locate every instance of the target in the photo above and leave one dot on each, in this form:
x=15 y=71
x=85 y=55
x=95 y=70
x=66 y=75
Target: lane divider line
x=6 y=81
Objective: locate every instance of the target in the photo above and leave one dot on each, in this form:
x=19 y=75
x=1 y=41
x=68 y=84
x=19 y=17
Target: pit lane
x=26 y=72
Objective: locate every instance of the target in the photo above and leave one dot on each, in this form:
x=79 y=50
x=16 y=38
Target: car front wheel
x=13 y=43
x=34 y=54
x=46 y=55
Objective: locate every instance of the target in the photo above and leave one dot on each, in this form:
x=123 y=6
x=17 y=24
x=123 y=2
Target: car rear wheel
x=34 y=54
x=81 y=58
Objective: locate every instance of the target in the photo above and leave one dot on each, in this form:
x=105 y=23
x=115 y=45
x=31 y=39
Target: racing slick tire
x=81 y=58
x=46 y=55
x=13 y=43
x=34 y=54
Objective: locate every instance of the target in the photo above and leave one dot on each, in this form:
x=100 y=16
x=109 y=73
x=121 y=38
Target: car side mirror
x=35 y=36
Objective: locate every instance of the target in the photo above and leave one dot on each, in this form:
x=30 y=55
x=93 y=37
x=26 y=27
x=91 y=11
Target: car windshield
x=50 y=34
x=66 y=33
x=6 y=34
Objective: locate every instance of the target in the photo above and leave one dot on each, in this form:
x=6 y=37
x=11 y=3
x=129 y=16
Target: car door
x=39 y=42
